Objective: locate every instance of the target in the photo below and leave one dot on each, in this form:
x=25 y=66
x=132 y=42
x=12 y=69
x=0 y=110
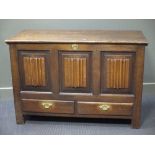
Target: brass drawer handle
x=46 y=105
x=75 y=46
x=104 y=107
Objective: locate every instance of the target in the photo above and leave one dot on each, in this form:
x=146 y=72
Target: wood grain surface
x=83 y=36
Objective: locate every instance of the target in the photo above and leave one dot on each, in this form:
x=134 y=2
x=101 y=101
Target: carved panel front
x=34 y=75
x=117 y=72
x=75 y=71
x=34 y=69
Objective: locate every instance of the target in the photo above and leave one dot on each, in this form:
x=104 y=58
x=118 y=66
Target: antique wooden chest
x=78 y=73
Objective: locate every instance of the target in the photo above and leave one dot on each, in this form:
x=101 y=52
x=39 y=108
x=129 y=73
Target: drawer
x=105 y=108
x=48 y=106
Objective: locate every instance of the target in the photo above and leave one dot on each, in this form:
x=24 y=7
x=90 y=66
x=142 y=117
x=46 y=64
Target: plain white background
x=77 y=9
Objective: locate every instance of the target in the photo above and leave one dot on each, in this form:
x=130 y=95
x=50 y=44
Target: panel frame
x=132 y=57
x=88 y=56
x=46 y=55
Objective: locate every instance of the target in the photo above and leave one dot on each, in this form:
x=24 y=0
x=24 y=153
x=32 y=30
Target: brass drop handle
x=104 y=107
x=46 y=105
x=75 y=46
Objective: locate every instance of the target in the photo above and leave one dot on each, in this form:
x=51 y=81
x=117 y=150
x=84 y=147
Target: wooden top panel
x=79 y=36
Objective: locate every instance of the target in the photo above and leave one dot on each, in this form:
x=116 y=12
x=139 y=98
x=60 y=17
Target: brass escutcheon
x=75 y=46
x=104 y=107
x=46 y=105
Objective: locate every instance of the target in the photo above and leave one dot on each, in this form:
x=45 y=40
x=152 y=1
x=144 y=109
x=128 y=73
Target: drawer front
x=105 y=108
x=50 y=106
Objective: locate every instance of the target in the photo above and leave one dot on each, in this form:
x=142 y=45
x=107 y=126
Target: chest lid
x=79 y=36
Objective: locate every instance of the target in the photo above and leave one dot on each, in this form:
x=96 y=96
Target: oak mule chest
x=78 y=73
